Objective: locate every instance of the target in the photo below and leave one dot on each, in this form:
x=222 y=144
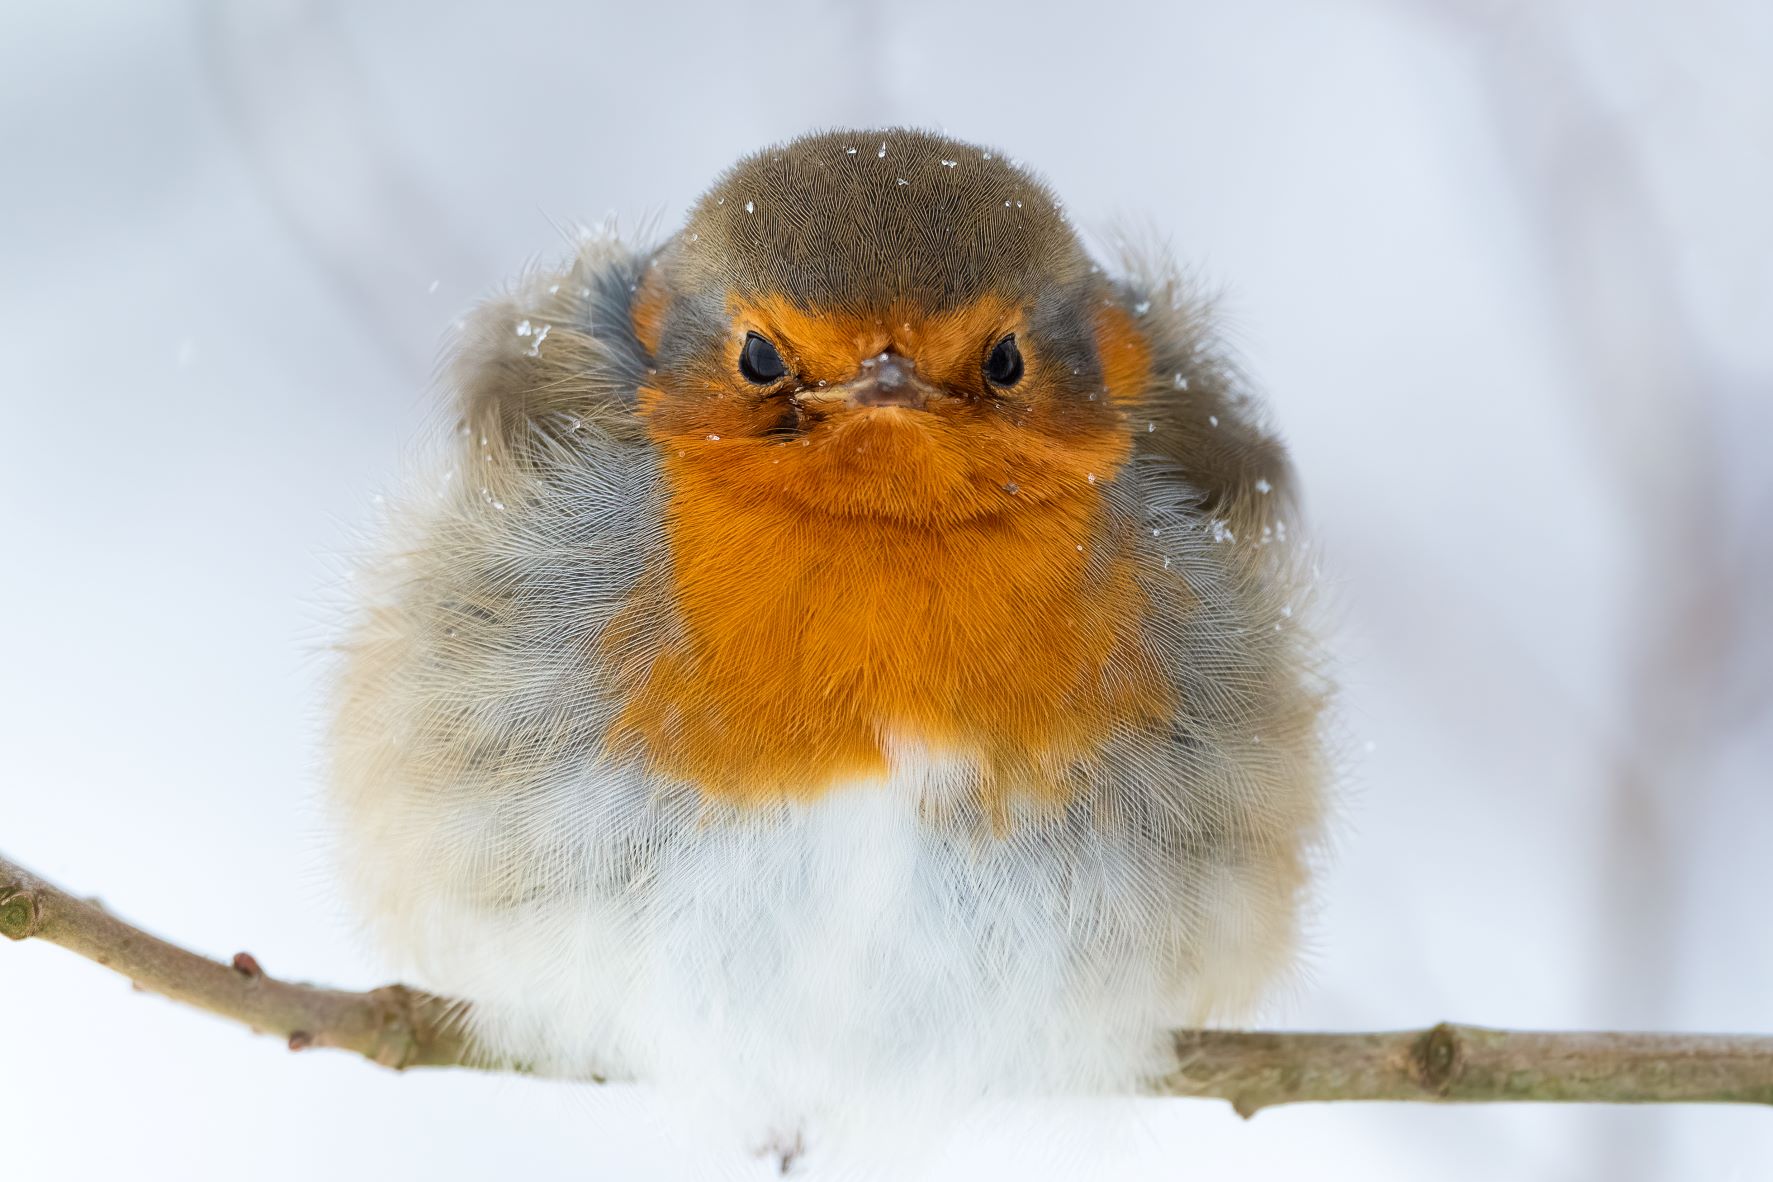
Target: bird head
x=889 y=326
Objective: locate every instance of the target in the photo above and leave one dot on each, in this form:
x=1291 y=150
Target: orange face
x=895 y=415
x=883 y=544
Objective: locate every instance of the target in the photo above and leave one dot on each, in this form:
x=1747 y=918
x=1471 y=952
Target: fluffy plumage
x=816 y=758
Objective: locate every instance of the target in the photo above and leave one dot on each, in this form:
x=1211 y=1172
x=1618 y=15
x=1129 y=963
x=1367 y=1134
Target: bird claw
x=785 y=1148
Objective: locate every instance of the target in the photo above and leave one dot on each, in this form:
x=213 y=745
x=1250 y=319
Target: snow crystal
x=1142 y=307
x=882 y=153
x=950 y=164
x=1181 y=382
x=714 y=439
x=750 y=207
x=432 y=290
x=1213 y=419
x=1262 y=485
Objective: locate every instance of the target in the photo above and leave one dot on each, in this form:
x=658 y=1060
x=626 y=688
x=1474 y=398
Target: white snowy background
x=1505 y=271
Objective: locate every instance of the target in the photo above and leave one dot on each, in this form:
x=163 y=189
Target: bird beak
x=885 y=380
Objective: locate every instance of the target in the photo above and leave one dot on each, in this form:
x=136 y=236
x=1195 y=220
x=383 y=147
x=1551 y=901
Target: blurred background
x=1505 y=271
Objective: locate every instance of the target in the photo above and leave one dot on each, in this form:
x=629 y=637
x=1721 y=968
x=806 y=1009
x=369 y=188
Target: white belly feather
x=815 y=964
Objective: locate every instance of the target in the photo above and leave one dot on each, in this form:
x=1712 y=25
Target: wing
x=554 y=358
x=1200 y=416
x=1234 y=786
x=478 y=682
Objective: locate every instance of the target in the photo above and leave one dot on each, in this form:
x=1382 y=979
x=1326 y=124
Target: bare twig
x=1472 y=1063
x=401 y=1027
x=394 y=1025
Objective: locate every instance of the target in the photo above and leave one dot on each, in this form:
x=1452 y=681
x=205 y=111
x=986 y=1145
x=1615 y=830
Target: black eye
x=1004 y=366
x=759 y=361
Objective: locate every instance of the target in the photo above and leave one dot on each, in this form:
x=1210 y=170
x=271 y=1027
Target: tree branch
x=401 y=1027
x=1470 y=1064
x=395 y=1026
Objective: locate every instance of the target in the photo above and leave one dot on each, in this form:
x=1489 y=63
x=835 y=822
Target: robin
x=848 y=658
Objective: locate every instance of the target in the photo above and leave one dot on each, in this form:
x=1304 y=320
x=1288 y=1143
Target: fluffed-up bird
x=847 y=660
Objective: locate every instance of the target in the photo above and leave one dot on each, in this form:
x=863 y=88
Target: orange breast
x=808 y=646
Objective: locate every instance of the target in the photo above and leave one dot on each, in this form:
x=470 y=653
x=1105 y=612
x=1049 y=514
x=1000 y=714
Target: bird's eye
x=759 y=361
x=1004 y=366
